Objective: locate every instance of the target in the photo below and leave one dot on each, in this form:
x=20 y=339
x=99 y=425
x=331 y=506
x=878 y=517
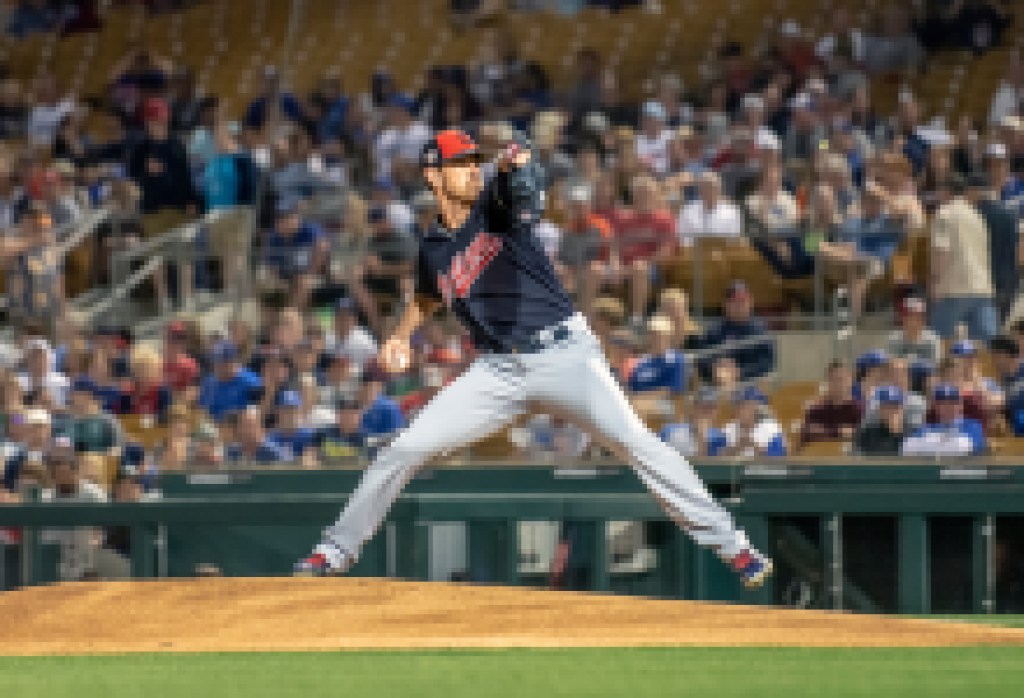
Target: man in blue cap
x=230 y=387
x=289 y=433
x=951 y=434
x=296 y=250
x=1006 y=360
x=251 y=442
x=753 y=358
x=381 y=414
x=883 y=431
x=754 y=432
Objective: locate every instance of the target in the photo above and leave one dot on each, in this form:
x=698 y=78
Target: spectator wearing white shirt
x=1010 y=94
x=653 y=140
x=40 y=383
x=47 y=112
x=771 y=207
x=711 y=215
x=350 y=340
x=399 y=144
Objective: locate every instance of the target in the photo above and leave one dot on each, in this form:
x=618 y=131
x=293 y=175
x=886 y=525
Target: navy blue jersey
x=493 y=272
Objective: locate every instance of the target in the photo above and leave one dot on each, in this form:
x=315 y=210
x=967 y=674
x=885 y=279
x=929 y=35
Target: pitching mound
x=327 y=614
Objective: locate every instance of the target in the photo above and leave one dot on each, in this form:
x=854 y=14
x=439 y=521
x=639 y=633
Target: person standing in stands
x=961 y=268
x=159 y=164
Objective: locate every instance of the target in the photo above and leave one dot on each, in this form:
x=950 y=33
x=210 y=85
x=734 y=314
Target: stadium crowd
x=779 y=152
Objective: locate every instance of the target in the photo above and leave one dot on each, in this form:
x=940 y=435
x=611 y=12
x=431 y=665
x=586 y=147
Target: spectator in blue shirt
x=1005 y=352
x=231 y=387
x=277 y=100
x=251 y=442
x=753 y=359
x=290 y=435
x=754 y=432
x=664 y=368
x=864 y=245
x=296 y=250
x=382 y=415
x=1008 y=186
x=952 y=434
x=692 y=437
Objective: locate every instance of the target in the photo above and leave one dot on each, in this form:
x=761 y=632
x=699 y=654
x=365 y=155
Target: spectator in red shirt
x=643 y=237
x=836 y=415
x=181 y=371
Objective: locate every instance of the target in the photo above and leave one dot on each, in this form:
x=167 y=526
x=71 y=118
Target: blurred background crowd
x=794 y=224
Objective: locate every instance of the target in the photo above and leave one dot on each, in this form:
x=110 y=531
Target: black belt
x=545 y=339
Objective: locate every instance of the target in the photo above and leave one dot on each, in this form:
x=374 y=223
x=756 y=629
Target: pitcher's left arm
x=515 y=196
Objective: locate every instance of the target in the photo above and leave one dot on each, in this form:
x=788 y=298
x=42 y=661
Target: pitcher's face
x=457 y=180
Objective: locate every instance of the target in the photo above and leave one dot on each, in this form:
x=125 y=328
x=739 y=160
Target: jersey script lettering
x=467 y=266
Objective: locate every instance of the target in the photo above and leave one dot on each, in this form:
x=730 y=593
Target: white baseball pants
x=572 y=377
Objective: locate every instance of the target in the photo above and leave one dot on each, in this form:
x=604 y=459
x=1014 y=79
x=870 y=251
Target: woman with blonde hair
x=675 y=304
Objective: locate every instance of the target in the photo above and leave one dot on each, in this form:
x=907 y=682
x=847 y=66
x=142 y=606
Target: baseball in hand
x=395 y=355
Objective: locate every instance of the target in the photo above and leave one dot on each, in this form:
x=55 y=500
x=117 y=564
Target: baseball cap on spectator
x=962 y=348
x=177 y=330
x=872 y=359
x=750 y=393
x=946 y=392
x=447 y=146
x=83 y=384
x=889 y=395
x=155 y=109
x=287 y=207
x=790 y=28
x=64 y=168
x=384 y=185
x=403 y=101
x=752 y=102
x=801 y=100
x=596 y=122
x=289 y=398
x=377 y=214
x=654 y=110
x=346 y=403
x=915 y=304
x=996 y=151
x=766 y=140
x=37 y=416
x=1004 y=345
x=737 y=290
x=579 y=193
x=223 y=351
x=133 y=457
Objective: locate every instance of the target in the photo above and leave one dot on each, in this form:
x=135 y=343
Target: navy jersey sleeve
x=426 y=283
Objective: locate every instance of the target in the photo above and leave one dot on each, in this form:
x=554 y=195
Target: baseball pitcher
x=481 y=260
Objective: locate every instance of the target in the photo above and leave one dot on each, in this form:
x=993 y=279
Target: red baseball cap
x=448 y=145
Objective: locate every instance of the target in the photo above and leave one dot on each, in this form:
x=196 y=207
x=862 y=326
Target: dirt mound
x=325 y=614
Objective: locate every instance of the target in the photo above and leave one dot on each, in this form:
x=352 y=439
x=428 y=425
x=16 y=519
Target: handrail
x=82 y=229
x=129 y=284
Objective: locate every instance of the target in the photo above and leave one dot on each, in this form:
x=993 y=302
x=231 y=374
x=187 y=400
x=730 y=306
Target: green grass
x=718 y=672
